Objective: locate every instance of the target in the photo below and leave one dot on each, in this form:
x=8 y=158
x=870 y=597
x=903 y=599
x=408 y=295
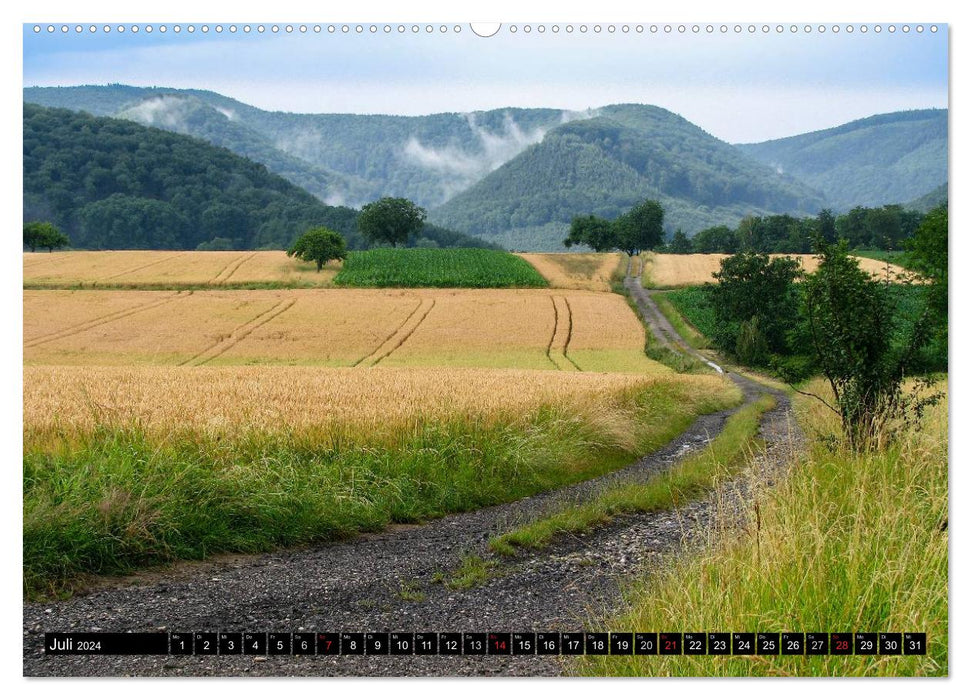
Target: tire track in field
x=223 y=276
x=142 y=267
x=389 y=337
x=562 y=331
x=239 y=333
x=101 y=320
x=556 y=323
x=398 y=338
x=41 y=261
x=569 y=333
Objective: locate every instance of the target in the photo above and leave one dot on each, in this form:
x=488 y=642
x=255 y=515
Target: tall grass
x=847 y=542
x=112 y=499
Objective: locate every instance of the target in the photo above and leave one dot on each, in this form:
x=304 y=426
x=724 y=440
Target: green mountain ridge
x=606 y=164
x=114 y=184
x=518 y=176
x=340 y=158
x=883 y=159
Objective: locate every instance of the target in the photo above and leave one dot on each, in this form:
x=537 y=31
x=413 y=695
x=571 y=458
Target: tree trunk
x=320 y=264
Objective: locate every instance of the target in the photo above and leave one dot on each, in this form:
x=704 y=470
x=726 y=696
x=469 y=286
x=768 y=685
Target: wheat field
x=63 y=401
x=171 y=268
x=527 y=329
x=590 y=271
x=663 y=270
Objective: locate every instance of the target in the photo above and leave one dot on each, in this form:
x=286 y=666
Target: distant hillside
x=880 y=160
x=606 y=164
x=925 y=203
x=111 y=183
x=186 y=113
x=340 y=158
x=518 y=176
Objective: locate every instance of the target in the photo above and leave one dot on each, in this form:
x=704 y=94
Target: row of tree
x=875 y=228
x=640 y=228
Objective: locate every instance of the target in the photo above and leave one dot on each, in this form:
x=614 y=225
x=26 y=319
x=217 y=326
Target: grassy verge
x=688 y=481
x=646 y=267
x=849 y=542
x=691 y=334
x=113 y=499
x=437 y=267
x=680 y=362
x=619 y=274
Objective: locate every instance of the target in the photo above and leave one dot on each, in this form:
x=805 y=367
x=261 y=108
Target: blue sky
x=739 y=87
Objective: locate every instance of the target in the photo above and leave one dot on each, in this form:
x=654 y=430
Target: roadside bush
x=750 y=345
x=852 y=324
x=755 y=297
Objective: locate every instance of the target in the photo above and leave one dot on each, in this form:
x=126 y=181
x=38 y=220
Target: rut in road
x=387 y=582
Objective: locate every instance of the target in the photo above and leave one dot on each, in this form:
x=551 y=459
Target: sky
x=740 y=87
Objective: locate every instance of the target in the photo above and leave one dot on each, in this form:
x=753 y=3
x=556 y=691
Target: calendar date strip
x=484 y=643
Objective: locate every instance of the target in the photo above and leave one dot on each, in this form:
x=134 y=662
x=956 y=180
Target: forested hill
x=883 y=159
x=518 y=176
x=606 y=164
x=925 y=203
x=111 y=183
x=340 y=158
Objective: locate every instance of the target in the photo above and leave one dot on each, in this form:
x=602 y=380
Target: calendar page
x=541 y=348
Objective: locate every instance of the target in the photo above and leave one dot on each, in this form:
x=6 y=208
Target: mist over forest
x=512 y=177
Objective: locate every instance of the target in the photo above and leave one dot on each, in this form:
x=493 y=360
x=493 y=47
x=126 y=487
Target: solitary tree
x=390 y=220
x=852 y=327
x=591 y=231
x=319 y=245
x=641 y=228
x=41 y=234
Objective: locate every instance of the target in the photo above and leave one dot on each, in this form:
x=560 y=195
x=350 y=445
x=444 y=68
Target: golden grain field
x=590 y=271
x=528 y=329
x=171 y=268
x=667 y=270
x=63 y=401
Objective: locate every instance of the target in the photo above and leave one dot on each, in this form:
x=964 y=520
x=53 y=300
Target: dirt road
x=391 y=582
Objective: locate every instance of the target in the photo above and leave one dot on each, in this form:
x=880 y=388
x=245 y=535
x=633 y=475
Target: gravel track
x=384 y=582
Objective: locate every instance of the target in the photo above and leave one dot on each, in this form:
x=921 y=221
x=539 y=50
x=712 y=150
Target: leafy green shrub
x=319 y=245
x=750 y=345
x=753 y=288
x=852 y=324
